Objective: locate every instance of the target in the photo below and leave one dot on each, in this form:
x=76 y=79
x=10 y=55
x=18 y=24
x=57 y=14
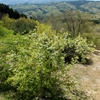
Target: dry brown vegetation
x=88 y=76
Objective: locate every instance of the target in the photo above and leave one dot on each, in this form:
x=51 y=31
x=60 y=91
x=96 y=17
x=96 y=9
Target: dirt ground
x=89 y=76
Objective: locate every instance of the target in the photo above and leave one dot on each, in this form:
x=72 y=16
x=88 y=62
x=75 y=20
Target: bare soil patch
x=88 y=76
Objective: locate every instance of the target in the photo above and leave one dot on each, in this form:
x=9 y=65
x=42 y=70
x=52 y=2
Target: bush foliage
x=33 y=65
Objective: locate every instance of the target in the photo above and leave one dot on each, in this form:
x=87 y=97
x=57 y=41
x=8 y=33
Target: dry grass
x=88 y=76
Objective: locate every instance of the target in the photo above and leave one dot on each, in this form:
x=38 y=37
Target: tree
x=77 y=22
x=23 y=25
x=7 y=22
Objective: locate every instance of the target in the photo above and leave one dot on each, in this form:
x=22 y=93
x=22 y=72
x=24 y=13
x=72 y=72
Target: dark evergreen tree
x=5 y=9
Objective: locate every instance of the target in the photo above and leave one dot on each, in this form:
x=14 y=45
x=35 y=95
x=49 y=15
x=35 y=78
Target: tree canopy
x=5 y=9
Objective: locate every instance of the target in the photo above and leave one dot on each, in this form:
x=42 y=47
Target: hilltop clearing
x=88 y=76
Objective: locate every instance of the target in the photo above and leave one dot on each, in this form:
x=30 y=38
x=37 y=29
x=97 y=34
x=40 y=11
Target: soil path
x=89 y=76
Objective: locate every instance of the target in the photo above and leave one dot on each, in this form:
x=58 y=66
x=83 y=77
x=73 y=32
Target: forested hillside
x=38 y=11
x=36 y=55
x=5 y=9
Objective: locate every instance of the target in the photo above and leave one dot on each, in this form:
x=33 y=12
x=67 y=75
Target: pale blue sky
x=33 y=1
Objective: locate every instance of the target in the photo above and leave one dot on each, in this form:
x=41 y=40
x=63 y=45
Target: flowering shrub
x=36 y=62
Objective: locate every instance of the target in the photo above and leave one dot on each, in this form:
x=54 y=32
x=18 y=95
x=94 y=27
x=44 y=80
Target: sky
x=33 y=1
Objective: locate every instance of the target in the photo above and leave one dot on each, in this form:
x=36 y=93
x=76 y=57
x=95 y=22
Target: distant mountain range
x=10 y=2
x=39 y=11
